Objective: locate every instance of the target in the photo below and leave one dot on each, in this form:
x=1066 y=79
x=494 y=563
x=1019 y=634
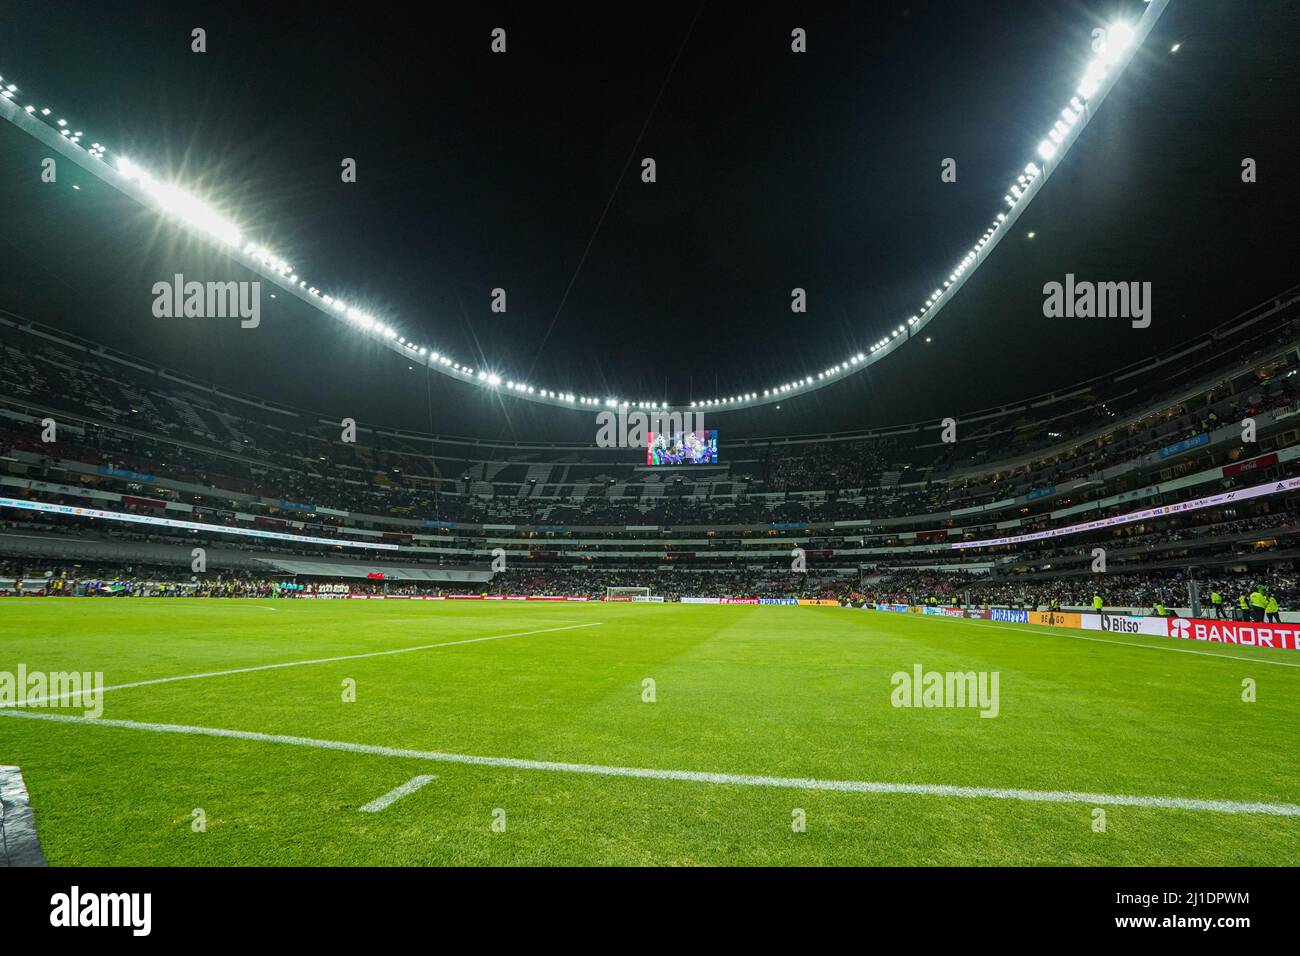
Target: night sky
x=775 y=170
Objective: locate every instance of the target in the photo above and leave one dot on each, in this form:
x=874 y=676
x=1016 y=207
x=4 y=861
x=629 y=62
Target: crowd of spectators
x=155 y=428
x=949 y=588
x=675 y=584
x=1169 y=588
x=61 y=579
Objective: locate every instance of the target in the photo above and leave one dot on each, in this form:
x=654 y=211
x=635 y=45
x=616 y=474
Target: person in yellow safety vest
x=1055 y=605
x=1257 y=604
x=1159 y=609
x=1243 y=609
x=1272 y=613
x=1216 y=599
x=1097 y=603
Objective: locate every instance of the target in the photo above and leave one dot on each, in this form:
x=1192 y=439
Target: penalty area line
x=695 y=776
x=405 y=790
x=41 y=702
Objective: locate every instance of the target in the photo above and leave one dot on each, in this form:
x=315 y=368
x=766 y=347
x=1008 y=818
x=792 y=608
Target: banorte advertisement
x=1244 y=633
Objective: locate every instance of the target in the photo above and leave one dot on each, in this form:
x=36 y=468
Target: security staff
x=1216 y=599
x=1097 y=603
x=1159 y=609
x=1272 y=613
x=1257 y=604
x=1243 y=609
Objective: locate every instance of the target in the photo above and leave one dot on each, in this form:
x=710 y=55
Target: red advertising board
x=1247 y=634
x=1263 y=461
x=142 y=502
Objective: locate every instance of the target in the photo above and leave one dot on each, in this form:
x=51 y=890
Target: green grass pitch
x=791 y=692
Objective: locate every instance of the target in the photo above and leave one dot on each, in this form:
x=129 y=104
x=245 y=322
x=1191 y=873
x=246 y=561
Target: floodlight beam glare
x=1120 y=43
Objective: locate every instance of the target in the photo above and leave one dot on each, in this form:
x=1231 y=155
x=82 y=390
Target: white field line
x=1060 y=632
x=696 y=776
x=387 y=800
x=40 y=702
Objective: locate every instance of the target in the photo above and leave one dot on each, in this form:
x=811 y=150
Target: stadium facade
x=1176 y=469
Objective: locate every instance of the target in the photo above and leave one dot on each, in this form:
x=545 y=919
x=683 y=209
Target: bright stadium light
x=1118 y=39
x=1121 y=41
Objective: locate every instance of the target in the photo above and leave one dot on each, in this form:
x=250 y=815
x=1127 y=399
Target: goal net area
x=639 y=595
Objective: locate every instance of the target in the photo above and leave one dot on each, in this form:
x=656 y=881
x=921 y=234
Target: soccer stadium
x=470 y=458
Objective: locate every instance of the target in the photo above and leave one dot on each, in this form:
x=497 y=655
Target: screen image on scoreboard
x=683 y=448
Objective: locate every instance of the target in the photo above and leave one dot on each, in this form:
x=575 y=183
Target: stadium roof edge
x=1117 y=48
x=1262 y=310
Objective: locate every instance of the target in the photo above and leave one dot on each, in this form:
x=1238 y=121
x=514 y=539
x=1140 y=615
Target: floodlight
x=1118 y=39
x=194 y=213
